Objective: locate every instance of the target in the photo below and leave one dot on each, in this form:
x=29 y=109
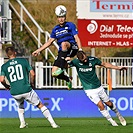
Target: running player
x=17 y=70
x=85 y=66
x=69 y=43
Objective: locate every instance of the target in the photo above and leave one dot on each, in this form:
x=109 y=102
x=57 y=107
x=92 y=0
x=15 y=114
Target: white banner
x=105 y=9
x=105 y=23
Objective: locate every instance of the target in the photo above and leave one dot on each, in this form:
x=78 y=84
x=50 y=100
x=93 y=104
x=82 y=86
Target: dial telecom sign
x=103 y=23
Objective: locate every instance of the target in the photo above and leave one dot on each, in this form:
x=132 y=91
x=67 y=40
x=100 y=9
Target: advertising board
x=104 y=23
x=64 y=103
x=106 y=33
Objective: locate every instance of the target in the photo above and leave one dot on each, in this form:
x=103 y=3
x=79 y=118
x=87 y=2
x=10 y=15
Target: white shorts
x=31 y=97
x=95 y=95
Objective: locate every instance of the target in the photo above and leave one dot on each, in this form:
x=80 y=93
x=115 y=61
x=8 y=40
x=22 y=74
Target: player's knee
x=57 y=72
x=100 y=105
x=109 y=104
x=65 y=45
x=40 y=105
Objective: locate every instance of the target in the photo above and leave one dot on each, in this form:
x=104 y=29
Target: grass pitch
x=67 y=125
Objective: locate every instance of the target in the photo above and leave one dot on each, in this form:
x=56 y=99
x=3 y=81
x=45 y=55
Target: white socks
x=115 y=110
x=21 y=115
x=106 y=114
x=47 y=114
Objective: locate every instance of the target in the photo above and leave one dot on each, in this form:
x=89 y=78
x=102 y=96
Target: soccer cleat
x=113 y=123
x=55 y=126
x=69 y=85
x=23 y=125
x=122 y=120
x=57 y=72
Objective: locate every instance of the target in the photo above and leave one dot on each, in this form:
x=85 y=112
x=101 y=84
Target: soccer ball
x=60 y=10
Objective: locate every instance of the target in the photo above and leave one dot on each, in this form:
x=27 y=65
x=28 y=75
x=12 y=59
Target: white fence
x=120 y=79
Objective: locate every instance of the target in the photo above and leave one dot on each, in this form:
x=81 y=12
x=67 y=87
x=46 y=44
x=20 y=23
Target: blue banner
x=64 y=103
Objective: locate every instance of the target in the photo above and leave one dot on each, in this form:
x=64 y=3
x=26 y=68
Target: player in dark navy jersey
x=66 y=35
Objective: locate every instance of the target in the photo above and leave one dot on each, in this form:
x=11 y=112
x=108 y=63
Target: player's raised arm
x=78 y=41
x=47 y=44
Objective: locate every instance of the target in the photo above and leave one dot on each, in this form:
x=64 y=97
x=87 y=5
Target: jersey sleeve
x=74 y=29
x=28 y=66
x=97 y=61
x=52 y=35
x=2 y=72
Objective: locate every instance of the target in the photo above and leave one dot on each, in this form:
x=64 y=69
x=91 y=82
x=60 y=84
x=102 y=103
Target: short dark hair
x=10 y=48
x=10 y=51
x=80 y=55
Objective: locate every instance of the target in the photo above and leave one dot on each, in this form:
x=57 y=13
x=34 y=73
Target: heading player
x=66 y=35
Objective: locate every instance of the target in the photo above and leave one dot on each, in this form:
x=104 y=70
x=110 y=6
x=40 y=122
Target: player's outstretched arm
x=46 y=45
x=108 y=65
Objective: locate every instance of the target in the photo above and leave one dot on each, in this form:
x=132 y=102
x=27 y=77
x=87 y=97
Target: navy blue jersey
x=64 y=33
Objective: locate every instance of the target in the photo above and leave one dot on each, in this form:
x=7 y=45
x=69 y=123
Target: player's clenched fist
x=35 y=53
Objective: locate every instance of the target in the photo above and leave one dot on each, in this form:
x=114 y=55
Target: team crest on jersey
x=66 y=27
x=90 y=64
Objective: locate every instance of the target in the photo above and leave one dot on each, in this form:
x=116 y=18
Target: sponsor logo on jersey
x=90 y=64
x=85 y=69
x=58 y=33
x=91 y=58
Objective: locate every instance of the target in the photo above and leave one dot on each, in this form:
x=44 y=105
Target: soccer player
x=85 y=66
x=17 y=70
x=66 y=35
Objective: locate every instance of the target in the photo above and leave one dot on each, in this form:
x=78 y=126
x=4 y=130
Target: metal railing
x=120 y=79
x=20 y=15
x=6 y=30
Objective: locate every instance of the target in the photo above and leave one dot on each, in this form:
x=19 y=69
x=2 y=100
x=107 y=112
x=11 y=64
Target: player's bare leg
x=62 y=55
